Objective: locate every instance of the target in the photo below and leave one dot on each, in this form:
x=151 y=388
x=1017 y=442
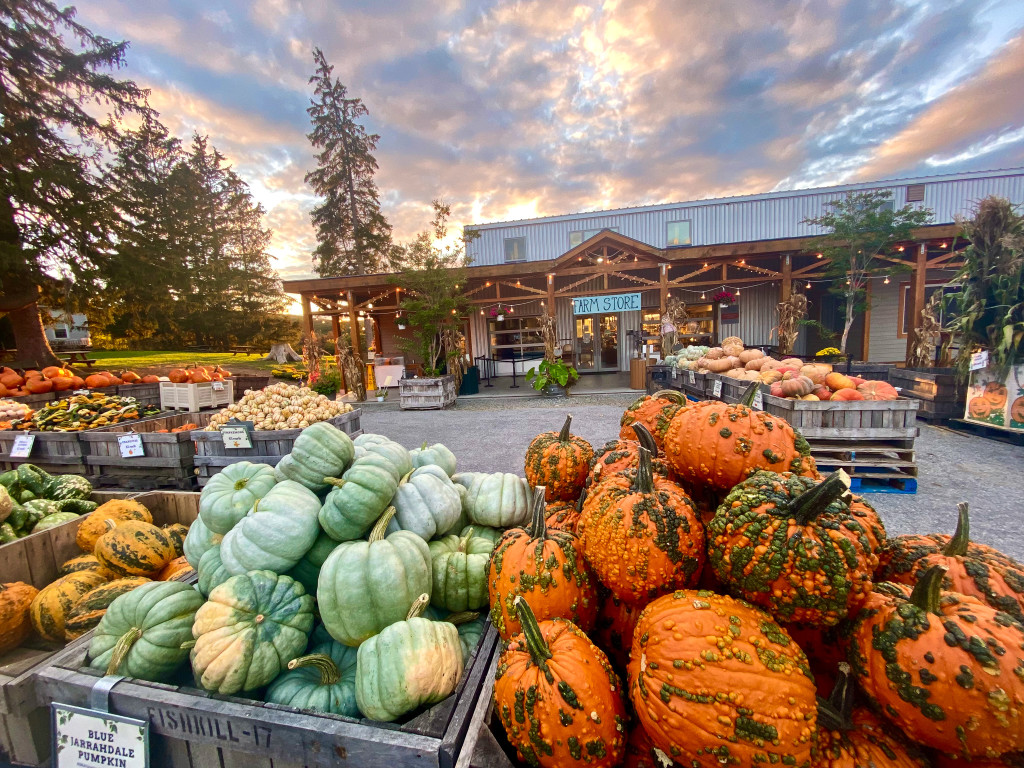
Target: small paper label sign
x=218 y=386
x=758 y=401
x=88 y=737
x=130 y=445
x=692 y=380
x=716 y=388
x=22 y=446
x=237 y=434
x=979 y=360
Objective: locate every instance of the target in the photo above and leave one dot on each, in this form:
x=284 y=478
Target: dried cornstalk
x=791 y=312
x=453 y=344
x=675 y=314
x=550 y=334
x=312 y=351
x=352 y=370
x=922 y=351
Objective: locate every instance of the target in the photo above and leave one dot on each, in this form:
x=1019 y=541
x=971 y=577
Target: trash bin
x=470 y=381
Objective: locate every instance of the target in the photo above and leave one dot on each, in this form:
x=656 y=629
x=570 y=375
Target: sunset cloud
x=537 y=107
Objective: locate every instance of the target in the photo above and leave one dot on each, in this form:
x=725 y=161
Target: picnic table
x=78 y=358
x=200 y=347
x=243 y=350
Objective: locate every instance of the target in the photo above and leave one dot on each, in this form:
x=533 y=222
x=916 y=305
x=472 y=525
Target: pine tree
x=54 y=219
x=353 y=237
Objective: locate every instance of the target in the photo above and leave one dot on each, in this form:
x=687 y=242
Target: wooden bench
x=23 y=365
x=78 y=358
x=199 y=348
x=243 y=350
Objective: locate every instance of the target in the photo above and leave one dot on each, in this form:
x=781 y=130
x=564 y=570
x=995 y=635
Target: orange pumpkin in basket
x=62 y=383
x=150 y=379
x=77 y=382
x=199 y=376
x=39 y=386
x=130 y=377
x=96 y=381
x=836 y=381
x=178 y=375
x=995 y=393
x=979 y=408
x=15 y=624
x=11 y=380
x=177 y=567
x=847 y=394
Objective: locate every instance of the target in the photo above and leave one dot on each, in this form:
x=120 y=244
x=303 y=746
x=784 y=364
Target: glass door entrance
x=597 y=343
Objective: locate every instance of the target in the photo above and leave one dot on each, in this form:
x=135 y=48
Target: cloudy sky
x=516 y=109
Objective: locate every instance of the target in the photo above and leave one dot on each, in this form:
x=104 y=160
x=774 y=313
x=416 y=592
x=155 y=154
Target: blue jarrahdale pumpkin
x=324 y=680
x=497 y=500
x=389 y=449
x=359 y=497
x=320 y=451
x=230 y=493
x=434 y=454
x=426 y=502
x=198 y=540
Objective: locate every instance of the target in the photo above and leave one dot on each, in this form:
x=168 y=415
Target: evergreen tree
x=54 y=219
x=353 y=237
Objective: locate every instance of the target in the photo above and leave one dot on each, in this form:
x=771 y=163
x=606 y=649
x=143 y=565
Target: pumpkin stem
x=644 y=482
x=669 y=394
x=812 y=502
x=748 y=396
x=424 y=446
x=464 y=540
x=188 y=645
x=928 y=588
x=957 y=546
x=539 y=650
x=121 y=648
x=329 y=673
x=419 y=605
x=408 y=474
x=645 y=438
x=582 y=500
x=380 y=528
x=835 y=712
x=337 y=482
x=539 y=524
x=462 y=617
x=563 y=436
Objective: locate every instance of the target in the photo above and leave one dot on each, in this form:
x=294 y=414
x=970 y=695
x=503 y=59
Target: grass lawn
x=160 y=362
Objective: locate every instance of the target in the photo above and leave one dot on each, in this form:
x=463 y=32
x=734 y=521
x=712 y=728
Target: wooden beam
x=917 y=288
x=551 y=295
x=787 y=277
x=663 y=293
x=865 y=346
x=816 y=264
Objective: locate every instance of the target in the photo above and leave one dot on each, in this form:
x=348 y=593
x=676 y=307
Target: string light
x=370 y=306
x=900 y=249
x=808 y=285
x=943 y=245
x=820 y=255
x=886 y=281
x=487 y=284
x=702 y=295
x=599 y=259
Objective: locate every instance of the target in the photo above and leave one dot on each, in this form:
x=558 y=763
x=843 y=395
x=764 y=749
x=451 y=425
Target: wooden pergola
x=618 y=262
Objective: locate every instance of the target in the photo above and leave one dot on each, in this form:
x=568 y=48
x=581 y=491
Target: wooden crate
x=425 y=394
x=193 y=397
x=268 y=446
x=190 y=728
x=848 y=420
x=36 y=560
x=941 y=393
x=58 y=453
x=699 y=388
x=146 y=394
x=660 y=377
x=168 y=460
x=244 y=383
x=35 y=401
x=733 y=390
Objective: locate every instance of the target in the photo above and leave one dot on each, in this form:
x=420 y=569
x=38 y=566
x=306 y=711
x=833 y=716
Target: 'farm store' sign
x=592 y=305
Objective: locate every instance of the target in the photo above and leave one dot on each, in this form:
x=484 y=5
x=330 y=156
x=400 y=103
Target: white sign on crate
x=758 y=400
x=979 y=360
x=218 y=386
x=237 y=434
x=90 y=737
x=22 y=446
x=716 y=388
x=692 y=380
x=130 y=445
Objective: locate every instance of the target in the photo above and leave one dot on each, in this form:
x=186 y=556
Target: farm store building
x=606 y=274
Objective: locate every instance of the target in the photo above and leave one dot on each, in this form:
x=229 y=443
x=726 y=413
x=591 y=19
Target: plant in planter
x=327 y=383
x=552 y=373
x=724 y=298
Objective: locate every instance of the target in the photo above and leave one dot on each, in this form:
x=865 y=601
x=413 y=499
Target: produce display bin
x=733 y=390
x=168 y=459
x=700 y=388
x=36 y=560
x=194 y=397
x=190 y=728
x=848 y=419
x=941 y=393
x=59 y=453
x=659 y=377
x=425 y=394
x=146 y=394
x=35 y=401
x=268 y=446
x=244 y=383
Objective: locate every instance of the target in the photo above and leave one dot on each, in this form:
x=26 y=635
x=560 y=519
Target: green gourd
x=63 y=487
x=211 y=570
x=52 y=521
x=389 y=449
x=230 y=494
x=359 y=497
x=31 y=478
x=249 y=629
x=324 y=680
x=198 y=541
x=434 y=454
x=320 y=451
x=367 y=585
x=276 y=532
x=426 y=502
x=409 y=664
x=307 y=570
x=78 y=506
x=142 y=632
x=498 y=500
x=459 y=567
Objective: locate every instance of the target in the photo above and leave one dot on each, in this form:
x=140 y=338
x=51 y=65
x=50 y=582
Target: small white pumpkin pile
x=11 y=410
x=280 y=406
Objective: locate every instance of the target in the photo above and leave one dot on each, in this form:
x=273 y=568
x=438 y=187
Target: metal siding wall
x=885 y=346
x=565 y=322
x=733 y=221
x=757 y=316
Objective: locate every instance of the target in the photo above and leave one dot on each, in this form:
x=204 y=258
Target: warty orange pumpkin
x=653 y=412
x=15 y=624
x=559 y=461
x=622 y=454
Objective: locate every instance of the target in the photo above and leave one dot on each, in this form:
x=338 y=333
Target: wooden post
x=917 y=285
x=787 y=277
x=353 y=328
x=865 y=346
x=551 y=295
x=725 y=273
x=336 y=327
x=307 y=316
x=664 y=288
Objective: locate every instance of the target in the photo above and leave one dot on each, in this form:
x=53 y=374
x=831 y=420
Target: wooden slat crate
x=59 y=453
x=848 y=420
x=268 y=446
x=190 y=728
x=193 y=397
x=146 y=394
x=699 y=388
x=245 y=382
x=941 y=393
x=660 y=377
x=36 y=560
x=168 y=460
x=425 y=394
x=36 y=401
x=733 y=390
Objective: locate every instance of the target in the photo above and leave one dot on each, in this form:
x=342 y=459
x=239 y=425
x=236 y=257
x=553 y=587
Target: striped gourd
x=93 y=604
x=95 y=525
x=50 y=608
x=84 y=563
x=134 y=548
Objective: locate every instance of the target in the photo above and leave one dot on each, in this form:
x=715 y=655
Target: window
x=678 y=233
x=906 y=307
x=650 y=322
x=514 y=338
x=515 y=249
x=581 y=236
x=60 y=332
x=915 y=193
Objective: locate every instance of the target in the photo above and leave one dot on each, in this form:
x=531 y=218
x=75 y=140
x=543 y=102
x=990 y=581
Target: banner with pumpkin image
x=997 y=400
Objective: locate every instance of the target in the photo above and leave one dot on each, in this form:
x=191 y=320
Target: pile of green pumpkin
x=349 y=579
x=32 y=500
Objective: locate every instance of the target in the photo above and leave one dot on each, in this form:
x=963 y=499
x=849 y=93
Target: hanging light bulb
x=737 y=291
x=820 y=255
x=369 y=306
x=886 y=281
x=599 y=259
x=481 y=311
x=702 y=295
x=943 y=245
x=510 y=311
x=808 y=286
x=453 y=311
x=900 y=249
x=487 y=284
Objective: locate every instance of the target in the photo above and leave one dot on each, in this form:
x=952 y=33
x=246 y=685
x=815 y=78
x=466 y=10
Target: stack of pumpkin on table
x=280 y=406
x=33 y=500
x=198 y=374
x=696 y=594
x=348 y=579
x=790 y=378
x=56 y=379
x=121 y=550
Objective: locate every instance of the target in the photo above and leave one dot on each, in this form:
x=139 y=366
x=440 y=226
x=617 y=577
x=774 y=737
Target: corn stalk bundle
x=352 y=369
x=922 y=351
x=549 y=332
x=675 y=314
x=791 y=312
x=312 y=351
x=452 y=345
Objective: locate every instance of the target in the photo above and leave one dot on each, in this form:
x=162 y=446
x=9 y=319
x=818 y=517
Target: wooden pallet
x=991 y=431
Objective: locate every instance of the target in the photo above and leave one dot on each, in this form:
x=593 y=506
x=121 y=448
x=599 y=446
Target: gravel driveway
x=491 y=435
